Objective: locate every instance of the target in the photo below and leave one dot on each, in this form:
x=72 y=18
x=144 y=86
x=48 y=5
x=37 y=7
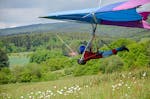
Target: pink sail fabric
x=144 y=15
x=131 y=4
x=146 y=25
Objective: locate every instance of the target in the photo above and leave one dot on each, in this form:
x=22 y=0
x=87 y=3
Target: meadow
x=19 y=58
x=118 y=85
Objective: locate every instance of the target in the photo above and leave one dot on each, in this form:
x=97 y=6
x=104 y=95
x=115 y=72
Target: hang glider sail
x=117 y=14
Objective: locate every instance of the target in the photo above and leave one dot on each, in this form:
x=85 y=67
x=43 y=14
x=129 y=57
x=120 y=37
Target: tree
x=40 y=56
x=3 y=59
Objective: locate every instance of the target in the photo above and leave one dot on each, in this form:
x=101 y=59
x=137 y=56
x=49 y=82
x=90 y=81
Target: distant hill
x=49 y=27
x=72 y=27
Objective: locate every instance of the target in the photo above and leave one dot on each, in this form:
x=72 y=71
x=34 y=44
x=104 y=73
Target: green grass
x=125 y=85
x=19 y=59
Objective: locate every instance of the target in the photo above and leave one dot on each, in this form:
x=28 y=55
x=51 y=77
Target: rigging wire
x=73 y=53
x=106 y=44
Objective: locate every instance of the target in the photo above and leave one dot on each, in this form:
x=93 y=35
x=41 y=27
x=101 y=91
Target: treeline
x=48 y=65
x=32 y=42
x=24 y=42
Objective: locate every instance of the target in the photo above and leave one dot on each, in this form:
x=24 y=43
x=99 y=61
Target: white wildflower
x=113 y=86
x=86 y=86
x=30 y=97
x=135 y=82
x=119 y=84
x=144 y=74
x=65 y=87
x=31 y=93
x=59 y=92
x=55 y=87
x=39 y=92
x=51 y=93
x=75 y=88
x=69 y=89
x=72 y=87
x=48 y=96
x=21 y=97
x=79 y=89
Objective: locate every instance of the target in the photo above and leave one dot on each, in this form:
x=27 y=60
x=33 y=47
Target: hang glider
x=117 y=14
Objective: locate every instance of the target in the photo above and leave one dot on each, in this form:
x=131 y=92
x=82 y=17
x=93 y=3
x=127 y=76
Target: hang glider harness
x=94 y=27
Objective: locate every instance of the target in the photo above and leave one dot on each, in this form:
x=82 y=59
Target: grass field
x=125 y=85
x=19 y=58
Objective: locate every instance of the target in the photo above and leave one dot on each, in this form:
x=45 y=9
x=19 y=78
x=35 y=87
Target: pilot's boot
x=123 y=48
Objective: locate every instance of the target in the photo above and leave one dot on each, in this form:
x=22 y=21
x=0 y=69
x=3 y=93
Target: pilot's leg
x=114 y=51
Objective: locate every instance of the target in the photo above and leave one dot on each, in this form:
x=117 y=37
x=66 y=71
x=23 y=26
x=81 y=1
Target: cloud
x=20 y=15
x=27 y=11
x=23 y=12
x=12 y=17
x=46 y=3
x=20 y=3
x=7 y=25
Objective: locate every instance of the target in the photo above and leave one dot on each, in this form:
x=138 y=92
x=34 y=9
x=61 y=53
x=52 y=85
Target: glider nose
x=49 y=17
x=43 y=17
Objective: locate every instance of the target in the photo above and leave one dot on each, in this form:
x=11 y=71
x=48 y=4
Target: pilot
x=89 y=54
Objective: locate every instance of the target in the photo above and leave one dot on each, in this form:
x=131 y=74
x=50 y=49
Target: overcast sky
x=25 y=12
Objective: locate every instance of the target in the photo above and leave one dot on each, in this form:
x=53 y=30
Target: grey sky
x=25 y=12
